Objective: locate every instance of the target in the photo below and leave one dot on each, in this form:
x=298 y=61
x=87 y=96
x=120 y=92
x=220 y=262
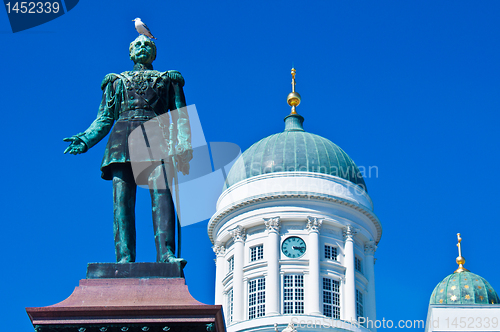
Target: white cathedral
x=295 y=234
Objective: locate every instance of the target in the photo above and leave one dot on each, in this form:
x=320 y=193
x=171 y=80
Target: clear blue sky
x=411 y=87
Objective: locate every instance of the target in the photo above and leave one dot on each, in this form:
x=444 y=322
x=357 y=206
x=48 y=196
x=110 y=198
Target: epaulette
x=109 y=78
x=175 y=76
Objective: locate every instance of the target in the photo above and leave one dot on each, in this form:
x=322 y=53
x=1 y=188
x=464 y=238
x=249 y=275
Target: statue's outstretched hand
x=77 y=146
x=183 y=155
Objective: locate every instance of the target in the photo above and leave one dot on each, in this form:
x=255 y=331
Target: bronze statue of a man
x=129 y=100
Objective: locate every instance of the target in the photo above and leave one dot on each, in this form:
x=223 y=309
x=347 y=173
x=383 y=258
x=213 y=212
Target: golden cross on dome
x=293 y=98
x=460 y=260
x=459 y=245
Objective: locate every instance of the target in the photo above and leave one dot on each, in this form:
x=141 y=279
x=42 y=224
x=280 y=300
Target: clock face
x=293 y=247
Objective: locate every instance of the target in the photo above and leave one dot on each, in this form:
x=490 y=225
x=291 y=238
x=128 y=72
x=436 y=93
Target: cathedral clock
x=293 y=247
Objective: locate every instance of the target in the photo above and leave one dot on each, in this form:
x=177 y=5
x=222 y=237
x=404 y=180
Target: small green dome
x=294 y=150
x=464 y=288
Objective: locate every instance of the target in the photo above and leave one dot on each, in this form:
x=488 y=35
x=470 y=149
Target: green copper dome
x=464 y=288
x=294 y=150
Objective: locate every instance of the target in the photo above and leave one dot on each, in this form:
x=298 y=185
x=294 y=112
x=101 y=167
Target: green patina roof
x=464 y=288
x=294 y=150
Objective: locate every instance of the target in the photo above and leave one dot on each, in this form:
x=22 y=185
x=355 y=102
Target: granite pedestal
x=129 y=297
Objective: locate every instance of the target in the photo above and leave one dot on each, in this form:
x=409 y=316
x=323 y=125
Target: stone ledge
x=134 y=270
x=127 y=328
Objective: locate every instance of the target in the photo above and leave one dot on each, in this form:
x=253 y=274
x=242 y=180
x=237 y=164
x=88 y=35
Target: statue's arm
x=180 y=119
x=101 y=126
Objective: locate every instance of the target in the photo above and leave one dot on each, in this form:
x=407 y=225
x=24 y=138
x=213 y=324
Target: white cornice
x=255 y=266
x=332 y=266
x=222 y=214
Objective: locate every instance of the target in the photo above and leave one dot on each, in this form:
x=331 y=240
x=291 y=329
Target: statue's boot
x=163 y=216
x=124 y=192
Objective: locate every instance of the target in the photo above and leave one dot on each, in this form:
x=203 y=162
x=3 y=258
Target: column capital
x=273 y=224
x=239 y=234
x=313 y=224
x=349 y=232
x=219 y=249
x=370 y=248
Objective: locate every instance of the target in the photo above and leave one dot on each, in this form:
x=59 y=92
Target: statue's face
x=142 y=50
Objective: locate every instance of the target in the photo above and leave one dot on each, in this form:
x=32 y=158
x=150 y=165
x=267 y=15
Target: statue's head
x=142 y=50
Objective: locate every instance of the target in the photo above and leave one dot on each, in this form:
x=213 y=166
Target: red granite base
x=144 y=304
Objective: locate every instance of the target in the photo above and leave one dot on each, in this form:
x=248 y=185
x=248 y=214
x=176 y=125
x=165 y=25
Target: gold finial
x=293 y=98
x=460 y=259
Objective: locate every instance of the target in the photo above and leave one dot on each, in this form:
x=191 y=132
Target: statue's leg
x=124 y=193
x=163 y=213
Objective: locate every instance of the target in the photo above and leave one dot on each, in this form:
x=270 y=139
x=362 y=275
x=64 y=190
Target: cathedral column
x=239 y=250
x=350 y=275
x=370 y=305
x=272 y=251
x=313 y=288
x=219 y=272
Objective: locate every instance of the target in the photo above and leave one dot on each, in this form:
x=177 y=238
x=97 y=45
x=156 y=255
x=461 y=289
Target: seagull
x=142 y=28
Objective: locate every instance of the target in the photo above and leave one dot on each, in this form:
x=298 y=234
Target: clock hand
x=302 y=249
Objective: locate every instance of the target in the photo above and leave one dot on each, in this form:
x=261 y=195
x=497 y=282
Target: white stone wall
x=478 y=317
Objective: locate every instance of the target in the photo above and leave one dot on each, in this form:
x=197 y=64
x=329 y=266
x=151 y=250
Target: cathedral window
x=256 y=253
x=293 y=294
x=331 y=298
x=357 y=264
x=256 y=298
x=230 y=306
x=331 y=252
x=230 y=263
x=359 y=304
